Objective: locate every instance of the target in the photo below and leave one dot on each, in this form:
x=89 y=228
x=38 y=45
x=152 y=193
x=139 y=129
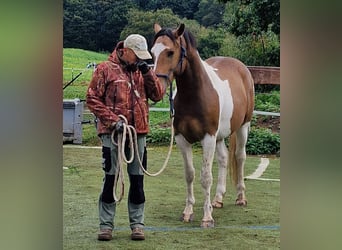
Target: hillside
x=76 y=60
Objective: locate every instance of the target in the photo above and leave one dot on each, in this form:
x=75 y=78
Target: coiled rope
x=129 y=130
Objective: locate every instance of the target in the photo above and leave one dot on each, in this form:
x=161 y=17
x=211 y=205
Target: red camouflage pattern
x=111 y=93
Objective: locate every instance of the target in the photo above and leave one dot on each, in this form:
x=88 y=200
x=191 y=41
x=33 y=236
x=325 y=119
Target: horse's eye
x=170 y=54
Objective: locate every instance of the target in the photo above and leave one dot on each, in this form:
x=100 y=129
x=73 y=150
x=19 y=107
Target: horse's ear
x=180 y=30
x=156 y=28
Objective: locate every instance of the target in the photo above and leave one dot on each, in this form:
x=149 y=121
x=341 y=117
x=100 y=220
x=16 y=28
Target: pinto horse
x=214 y=100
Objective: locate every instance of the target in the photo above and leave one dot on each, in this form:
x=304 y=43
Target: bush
x=268 y=101
x=253 y=50
x=159 y=136
x=262 y=141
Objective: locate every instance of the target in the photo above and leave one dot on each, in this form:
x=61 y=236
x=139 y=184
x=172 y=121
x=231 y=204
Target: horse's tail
x=232 y=159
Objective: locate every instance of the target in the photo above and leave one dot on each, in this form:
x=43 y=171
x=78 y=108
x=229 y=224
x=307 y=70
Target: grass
x=253 y=227
x=74 y=62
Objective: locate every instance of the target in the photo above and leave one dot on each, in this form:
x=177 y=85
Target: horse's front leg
x=189 y=170
x=208 y=144
x=222 y=159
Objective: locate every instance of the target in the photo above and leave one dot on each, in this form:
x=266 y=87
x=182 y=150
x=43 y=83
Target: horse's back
x=241 y=84
x=231 y=68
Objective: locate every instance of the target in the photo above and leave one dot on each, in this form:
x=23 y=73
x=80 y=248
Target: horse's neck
x=194 y=76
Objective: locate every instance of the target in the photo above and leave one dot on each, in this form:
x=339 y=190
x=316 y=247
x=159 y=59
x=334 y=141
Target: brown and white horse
x=214 y=100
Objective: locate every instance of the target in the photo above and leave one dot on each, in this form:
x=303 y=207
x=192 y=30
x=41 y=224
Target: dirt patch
x=271 y=122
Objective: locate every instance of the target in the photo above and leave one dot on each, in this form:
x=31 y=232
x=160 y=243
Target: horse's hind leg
x=222 y=159
x=240 y=153
x=189 y=169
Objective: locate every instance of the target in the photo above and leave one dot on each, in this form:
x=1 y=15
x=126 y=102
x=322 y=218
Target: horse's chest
x=192 y=128
x=195 y=121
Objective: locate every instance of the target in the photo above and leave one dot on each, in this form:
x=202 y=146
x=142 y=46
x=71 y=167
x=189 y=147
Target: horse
x=214 y=100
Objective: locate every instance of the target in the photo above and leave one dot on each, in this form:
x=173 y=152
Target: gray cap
x=138 y=44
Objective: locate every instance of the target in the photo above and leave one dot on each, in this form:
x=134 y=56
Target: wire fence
x=78 y=74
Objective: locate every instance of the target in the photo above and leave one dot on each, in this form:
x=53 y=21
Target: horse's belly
x=224 y=129
x=226 y=111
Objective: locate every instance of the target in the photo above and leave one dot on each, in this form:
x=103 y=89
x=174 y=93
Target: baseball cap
x=138 y=44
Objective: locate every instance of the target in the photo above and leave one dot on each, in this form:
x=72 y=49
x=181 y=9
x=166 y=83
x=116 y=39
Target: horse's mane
x=188 y=36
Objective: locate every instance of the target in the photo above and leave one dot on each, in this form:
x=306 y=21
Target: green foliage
x=94 y=25
x=183 y=9
x=247 y=30
x=261 y=50
x=159 y=136
x=245 y=17
x=268 y=101
x=209 y=13
x=262 y=141
x=209 y=44
x=142 y=22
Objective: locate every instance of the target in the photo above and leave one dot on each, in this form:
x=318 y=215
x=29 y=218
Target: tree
x=184 y=9
x=248 y=30
x=209 y=13
x=75 y=22
x=94 y=25
x=210 y=42
x=142 y=22
x=246 y=17
x=257 y=27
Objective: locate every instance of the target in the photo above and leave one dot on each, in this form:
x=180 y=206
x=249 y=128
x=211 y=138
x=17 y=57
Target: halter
x=166 y=76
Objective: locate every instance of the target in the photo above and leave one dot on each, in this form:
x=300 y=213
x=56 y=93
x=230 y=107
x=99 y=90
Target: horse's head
x=169 y=52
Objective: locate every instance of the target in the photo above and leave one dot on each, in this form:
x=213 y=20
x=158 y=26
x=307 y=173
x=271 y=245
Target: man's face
x=129 y=56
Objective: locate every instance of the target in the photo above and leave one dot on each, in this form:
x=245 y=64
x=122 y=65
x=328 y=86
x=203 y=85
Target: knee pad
x=136 y=189
x=107 y=192
x=107 y=162
x=144 y=160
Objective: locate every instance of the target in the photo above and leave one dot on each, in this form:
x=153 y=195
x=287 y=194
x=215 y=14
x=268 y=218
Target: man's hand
x=143 y=67
x=118 y=126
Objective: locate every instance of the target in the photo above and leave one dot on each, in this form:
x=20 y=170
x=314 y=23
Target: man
x=121 y=86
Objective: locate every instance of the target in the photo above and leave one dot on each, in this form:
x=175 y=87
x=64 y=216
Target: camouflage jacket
x=115 y=91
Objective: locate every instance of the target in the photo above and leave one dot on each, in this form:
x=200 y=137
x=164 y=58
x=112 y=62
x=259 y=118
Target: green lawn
x=256 y=226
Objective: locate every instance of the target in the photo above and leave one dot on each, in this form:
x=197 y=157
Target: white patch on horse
x=156 y=50
x=225 y=101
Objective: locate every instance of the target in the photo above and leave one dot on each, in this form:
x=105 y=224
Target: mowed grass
x=256 y=226
x=74 y=62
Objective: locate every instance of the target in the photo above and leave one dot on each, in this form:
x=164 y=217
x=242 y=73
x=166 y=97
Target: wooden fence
x=265 y=75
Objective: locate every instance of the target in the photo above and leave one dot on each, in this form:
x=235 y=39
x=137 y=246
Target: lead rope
x=133 y=140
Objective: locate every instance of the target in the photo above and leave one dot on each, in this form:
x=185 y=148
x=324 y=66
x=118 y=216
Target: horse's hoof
x=217 y=204
x=187 y=218
x=241 y=202
x=208 y=224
